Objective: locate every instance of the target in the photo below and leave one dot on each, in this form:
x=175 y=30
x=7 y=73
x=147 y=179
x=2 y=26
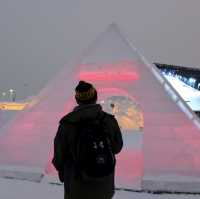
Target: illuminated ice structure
x=167 y=158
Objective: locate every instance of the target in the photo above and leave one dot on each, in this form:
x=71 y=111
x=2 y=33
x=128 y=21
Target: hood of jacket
x=82 y=112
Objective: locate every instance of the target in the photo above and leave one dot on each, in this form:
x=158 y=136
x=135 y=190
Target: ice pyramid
x=169 y=152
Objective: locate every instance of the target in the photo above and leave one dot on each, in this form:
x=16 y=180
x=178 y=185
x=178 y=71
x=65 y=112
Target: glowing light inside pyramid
x=108 y=76
x=122 y=70
x=126 y=111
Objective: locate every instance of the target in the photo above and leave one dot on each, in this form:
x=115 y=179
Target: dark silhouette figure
x=87 y=173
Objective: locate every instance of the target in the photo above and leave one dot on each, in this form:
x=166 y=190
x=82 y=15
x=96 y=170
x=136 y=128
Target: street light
x=12 y=94
x=3 y=96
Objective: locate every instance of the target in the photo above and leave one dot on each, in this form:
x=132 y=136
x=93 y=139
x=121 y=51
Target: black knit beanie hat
x=85 y=93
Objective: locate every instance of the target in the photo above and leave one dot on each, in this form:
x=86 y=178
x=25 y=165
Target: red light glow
x=122 y=70
x=108 y=76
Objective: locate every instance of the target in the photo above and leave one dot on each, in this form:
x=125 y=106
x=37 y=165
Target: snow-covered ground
x=17 y=189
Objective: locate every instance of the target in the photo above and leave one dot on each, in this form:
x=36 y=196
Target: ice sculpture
x=165 y=152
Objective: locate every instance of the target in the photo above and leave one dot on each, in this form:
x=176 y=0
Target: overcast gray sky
x=39 y=37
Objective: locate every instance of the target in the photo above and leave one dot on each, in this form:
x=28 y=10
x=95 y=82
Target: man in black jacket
x=65 y=143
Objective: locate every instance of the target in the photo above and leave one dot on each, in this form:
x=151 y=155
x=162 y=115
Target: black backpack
x=94 y=157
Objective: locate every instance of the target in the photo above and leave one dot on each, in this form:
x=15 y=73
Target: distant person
x=85 y=146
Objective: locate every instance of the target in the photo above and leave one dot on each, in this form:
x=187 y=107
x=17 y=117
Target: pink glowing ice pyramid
x=169 y=155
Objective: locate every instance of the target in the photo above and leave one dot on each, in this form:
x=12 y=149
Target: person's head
x=85 y=93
